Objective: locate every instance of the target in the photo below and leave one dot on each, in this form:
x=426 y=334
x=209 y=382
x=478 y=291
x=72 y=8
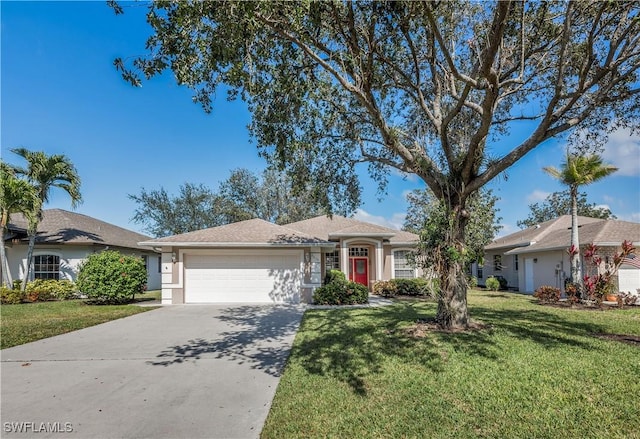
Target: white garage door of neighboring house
x=242 y=278
x=628 y=279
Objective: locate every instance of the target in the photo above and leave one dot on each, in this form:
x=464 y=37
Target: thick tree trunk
x=452 y=304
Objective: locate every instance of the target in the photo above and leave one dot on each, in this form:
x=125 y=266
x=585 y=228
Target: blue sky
x=60 y=94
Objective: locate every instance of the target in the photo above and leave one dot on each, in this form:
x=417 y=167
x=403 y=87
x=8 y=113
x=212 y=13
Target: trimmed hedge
x=407 y=287
x=492 y=284
x=338 y=291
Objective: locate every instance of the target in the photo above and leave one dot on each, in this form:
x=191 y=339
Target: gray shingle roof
x=60 y=226
x=556 y=234
x=538 y=232
x=251 y=232
x=326 y=228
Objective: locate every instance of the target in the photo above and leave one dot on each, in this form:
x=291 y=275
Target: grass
x=29 y=322
x=148 y=296
x=537 y=373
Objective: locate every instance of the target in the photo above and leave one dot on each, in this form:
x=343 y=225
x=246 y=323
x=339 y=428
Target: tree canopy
x=483 y=223
x=242 y=196
x=558 y=204
x=427 y=88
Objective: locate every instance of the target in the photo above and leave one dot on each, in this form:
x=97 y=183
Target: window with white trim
x=332 y=260
x=497 y=262
x=46 y=267
x=402 y=268
x=362 y=252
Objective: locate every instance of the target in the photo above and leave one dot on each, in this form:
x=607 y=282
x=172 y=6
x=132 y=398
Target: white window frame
x=33 y=266
x=393 y=264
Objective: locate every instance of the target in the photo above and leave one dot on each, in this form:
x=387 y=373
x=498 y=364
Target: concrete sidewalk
x=205 y=371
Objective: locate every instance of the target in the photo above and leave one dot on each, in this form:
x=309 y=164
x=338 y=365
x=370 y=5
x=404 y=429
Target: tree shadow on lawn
x=257 y=336
x=351 y=345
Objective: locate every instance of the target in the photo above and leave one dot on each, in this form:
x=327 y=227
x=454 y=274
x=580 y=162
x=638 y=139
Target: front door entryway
x=359 y=270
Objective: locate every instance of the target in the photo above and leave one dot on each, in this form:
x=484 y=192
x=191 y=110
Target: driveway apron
x=192 y=371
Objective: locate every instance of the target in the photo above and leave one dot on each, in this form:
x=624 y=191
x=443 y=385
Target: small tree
x=111 y=277
x=578 y=170
x=598 y=280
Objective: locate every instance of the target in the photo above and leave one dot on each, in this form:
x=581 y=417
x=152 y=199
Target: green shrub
x=416 y=287
x=111 y=277
x=333 y=276
x=10 y=296
x=407 y=287
x=41 y=290
x=472 y=281
x=339 y=291
x=385 y=288
x=492 y=283
x=547 y=294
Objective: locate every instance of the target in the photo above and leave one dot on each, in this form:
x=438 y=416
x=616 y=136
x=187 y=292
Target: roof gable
x=251 y=232
x=558 y=236
x=538 y=232
x=60 y=226
x=339 y=226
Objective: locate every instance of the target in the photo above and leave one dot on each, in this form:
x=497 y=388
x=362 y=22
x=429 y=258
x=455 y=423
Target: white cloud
x=395 y=222
x=609 y=199
x=537 y=195
x=507 y=229
x=623 y=151
x=603 y=206
x=633 y=217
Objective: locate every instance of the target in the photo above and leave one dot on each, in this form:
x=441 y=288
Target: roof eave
x=236 y=244
x=361 y=235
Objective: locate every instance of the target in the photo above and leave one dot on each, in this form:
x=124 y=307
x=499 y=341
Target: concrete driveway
x=199 y=371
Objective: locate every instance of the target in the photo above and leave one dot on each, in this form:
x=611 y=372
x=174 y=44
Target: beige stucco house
x=257 y=261
x=65 y=239
x=538 y=255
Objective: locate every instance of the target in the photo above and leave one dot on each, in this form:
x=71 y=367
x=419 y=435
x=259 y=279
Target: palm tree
x=16 y=196
x=576 y=171
x=45 y=172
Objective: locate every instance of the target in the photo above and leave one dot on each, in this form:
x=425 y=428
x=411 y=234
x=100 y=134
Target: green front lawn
x=28 y=322
x=537 y=373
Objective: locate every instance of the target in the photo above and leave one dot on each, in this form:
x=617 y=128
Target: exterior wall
x=387 y=270
x=549 y=268
x=71 y=256
x=508 y=271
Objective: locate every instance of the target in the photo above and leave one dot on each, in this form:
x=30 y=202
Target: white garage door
x=242 y=278
x=629 y=279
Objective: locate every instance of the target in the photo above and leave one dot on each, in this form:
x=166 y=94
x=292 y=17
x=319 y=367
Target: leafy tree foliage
x=579 y=170
x=428 y=88
x=16 y=196
x=558 y=204
x=46 y=172
x=483 y=222
x=112 y=277
x=242 y=196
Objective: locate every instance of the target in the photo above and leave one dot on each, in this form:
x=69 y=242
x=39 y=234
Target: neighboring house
x=65 y=239
x=257 y=261
x=538 y=255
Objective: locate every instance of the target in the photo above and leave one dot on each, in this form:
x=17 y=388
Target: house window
x=145 y=259
x=46 y=267
x=332 y=260
x=480 y=272
x=362 y=252
x=159 y=264
x=515 y=262
x=402 y=266
x=497 y=262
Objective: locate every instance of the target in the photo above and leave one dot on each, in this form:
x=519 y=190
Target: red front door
x=359 y=270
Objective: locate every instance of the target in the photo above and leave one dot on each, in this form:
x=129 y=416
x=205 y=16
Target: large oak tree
x=428 y=88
